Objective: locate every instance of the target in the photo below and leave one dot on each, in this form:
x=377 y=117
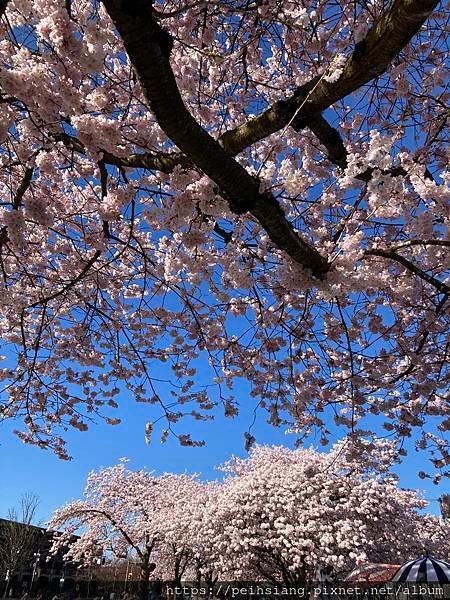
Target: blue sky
x=26 y=468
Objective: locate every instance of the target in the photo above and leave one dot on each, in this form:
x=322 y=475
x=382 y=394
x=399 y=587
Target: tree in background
x=283 y=513
x=123 y=513
x=256 y=187
x=187 y=544
x=277 y=516
x=18 y=537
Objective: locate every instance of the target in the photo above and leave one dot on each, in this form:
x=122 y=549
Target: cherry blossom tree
x=124 y=513
x=283 y=513
x=256 y=186
x=188 y=548
x=277 y=516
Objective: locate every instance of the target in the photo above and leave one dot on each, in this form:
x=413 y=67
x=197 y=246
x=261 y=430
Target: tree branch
x=153 y=161
x=329 y=137
x=17 y=200
x=114 y=523
x=410 y=266
x=148 y=47
x=337 y=153
x=408 y=243
x=84 y=271
x=24 y=185
x=371 y=57
x=3 y=5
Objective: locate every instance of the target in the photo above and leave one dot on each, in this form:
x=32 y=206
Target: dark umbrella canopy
x=424 y=570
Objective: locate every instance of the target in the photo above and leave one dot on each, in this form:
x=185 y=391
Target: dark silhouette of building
x=39 y=572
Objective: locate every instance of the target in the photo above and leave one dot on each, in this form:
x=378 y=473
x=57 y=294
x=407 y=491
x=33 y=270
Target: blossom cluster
x=121 y=259
x=278 y=515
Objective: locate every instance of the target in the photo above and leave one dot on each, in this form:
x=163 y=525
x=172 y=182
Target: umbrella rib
x=404 y=571
x=425 y=569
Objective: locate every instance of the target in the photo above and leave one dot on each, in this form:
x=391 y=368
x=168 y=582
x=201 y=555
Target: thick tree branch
x=3 y=5
x=153 y=161
x=337 y=152
x=371 y=57
x=17 y=200
x=227 y=236
x=148 y=47
x=329 y=137
x=410 y=266
x=24 y=185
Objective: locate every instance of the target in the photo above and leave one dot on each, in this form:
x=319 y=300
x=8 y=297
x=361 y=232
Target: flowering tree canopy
x=277 y=516
x=126 y=513
x=283 y=513
x=187 y=542
x=253 y=185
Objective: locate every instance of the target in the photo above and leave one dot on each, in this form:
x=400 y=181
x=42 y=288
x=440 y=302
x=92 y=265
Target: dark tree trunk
x=146 y=570
x=144 y=581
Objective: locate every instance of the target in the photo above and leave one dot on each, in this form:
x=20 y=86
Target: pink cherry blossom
x=256 y=194
x=278 y=515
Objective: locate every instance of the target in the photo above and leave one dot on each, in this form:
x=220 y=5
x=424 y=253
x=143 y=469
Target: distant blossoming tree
x=283 y=513
x=257 y=186
x=187 y=536
x=124 y=513
x=277 y=516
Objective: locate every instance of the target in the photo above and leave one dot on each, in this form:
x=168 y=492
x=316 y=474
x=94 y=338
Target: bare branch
x=18 y=534
x=28 y=506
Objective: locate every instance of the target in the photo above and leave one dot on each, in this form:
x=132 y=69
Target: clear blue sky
x=26 y=468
